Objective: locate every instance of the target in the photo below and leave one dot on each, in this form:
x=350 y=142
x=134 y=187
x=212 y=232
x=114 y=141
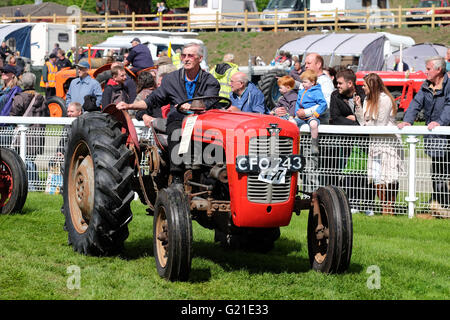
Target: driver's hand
x=185 y=106
x=233 y=108
x=122 y=106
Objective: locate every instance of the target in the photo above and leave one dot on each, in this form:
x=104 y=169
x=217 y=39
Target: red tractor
x=244 y=187
x=402 y=85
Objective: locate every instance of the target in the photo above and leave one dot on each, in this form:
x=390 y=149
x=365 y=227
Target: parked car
x=424 y=11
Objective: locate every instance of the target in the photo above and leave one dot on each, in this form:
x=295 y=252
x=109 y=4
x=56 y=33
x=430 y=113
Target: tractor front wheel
x=330 y=232
x=172 y=235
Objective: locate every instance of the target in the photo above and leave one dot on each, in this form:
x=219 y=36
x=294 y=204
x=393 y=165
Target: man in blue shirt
x=83 y=86
x=245 y=96
x=139 y=57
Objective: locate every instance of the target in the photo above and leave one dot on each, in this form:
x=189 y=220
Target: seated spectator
x=310 y=105
x=129 y=84
x=296 y=71
x=331 y=73
x=285 y=107
x=115 y=91
x=139 y=57
x=245 y=96
x=146 y=84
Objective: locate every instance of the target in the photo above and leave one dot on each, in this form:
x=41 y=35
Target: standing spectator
x=384 y=162
x=342 y=110
x=223 y=72
x=9 y=90
x=62 y=62
x=18 y=13
x=4 y=51
x=288 y=98
x=84 y=86
x=296 y=71
x=71 y=55
x=434 y=98
x=178 y=86
x=48 y=78
x=80 y=54
x=29 y=103
x=400 y=66
x=139 y=57
x=55 y=49
x=245 y=96
x=115 y=91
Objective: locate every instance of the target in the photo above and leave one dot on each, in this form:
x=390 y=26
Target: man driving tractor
x=183 y=84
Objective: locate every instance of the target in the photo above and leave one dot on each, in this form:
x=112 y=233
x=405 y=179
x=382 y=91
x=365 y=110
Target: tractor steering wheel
x=198 y=106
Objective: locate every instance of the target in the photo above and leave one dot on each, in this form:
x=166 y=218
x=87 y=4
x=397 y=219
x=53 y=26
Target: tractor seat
x=160 y=125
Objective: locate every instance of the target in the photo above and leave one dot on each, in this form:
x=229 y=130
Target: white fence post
x=412 y=198
x=23 y=140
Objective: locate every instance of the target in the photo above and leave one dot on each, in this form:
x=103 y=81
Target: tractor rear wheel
x=57 y=107
x=269 y=86
x=97 y=180
x=13 y=182
x=172 y=235
x=330 y=238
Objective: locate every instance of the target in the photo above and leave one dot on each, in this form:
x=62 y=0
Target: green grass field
x=411 y=257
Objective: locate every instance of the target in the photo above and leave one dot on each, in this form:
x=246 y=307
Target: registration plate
x=258 y=164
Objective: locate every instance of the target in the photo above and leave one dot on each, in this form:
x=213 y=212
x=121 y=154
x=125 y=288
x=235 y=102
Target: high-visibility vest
x=51 y=75
x=70 y=55
x=225 y=79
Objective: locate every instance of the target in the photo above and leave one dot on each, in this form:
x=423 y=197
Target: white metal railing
x=342 y=162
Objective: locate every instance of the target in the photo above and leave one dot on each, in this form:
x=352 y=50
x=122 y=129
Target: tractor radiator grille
x=262 y=192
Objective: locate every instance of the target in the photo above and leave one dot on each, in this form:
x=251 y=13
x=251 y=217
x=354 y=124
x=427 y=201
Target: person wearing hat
x=9 y=90
x=139 y=57
x=48 y=78
x=84 y=86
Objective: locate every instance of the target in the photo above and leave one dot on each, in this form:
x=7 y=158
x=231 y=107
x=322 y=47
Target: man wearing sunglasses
x=178 y=86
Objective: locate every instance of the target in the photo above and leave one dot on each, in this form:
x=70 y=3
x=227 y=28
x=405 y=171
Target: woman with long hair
x=9 y=90
x=384 y=160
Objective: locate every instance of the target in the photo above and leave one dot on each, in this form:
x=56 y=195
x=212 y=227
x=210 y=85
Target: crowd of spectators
x=311 y=94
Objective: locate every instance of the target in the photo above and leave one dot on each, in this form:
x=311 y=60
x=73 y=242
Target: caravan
x=203 y=12
x=37 y=40
x=328 y=8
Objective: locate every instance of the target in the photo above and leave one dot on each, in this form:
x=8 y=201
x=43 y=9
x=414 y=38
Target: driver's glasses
x=188 y=55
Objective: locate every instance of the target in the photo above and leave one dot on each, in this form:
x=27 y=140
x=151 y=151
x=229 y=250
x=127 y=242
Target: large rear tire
x=97 y=180
x=57 y=107
x=330 y=250
x=13 y=182
x=172 y=235
x=269 y=86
